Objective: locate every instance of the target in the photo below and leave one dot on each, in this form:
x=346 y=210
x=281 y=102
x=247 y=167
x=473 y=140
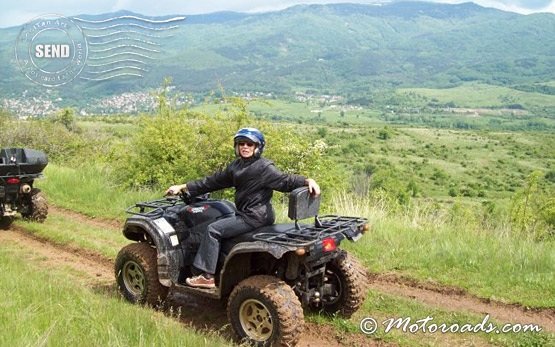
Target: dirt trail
x=97 y=271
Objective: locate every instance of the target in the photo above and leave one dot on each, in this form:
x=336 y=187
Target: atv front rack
x=324 y=227
x=153 y=207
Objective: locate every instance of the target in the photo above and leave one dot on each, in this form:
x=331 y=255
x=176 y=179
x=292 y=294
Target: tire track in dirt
x=95 y=222
x=92 y=267
x=433 y=294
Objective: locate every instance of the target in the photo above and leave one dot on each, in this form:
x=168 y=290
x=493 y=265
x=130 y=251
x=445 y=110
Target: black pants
x=208 y=252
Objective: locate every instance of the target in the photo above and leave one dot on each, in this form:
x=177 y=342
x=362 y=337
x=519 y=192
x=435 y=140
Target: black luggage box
x=21 y=161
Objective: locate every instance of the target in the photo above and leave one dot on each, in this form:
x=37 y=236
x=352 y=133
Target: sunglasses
x=248 y=144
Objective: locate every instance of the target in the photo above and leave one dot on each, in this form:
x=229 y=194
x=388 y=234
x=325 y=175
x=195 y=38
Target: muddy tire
x=5 y=222
x=345 y=286
x=264 y=311
x=37 y=207
x=137 y=275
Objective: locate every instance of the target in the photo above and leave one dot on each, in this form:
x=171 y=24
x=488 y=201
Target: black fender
x=170 y=256
x=236 y=266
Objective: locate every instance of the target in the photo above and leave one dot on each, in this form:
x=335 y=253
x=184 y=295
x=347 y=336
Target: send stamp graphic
x=124 y=46
x=53 y=50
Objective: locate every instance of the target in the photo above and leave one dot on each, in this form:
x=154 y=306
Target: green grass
x=494 y=164
x=64 y=230
x=48 y=308
x=88 y=190
x=476 y=95
x=300 y=112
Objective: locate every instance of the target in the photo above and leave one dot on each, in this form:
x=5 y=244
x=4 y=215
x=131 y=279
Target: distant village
x=126 y=103
x=133 y=103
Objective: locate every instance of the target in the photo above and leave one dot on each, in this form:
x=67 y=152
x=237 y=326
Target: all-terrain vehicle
x=268 y=275
x=19 y=167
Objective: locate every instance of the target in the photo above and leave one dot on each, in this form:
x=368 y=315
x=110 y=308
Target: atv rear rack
x=325 y=226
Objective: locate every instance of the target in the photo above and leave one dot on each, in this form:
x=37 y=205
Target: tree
x=66 y=117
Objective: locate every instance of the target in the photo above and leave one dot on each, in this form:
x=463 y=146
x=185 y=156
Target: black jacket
x=254 y=181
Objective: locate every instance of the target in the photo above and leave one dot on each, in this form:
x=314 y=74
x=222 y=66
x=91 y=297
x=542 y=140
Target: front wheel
x=137 y=275
x=264 y=311
x=343 y=291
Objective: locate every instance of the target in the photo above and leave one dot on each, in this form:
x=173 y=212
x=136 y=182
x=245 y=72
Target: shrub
x=550 y=176
x=533 y=209
x=385 y=133
x=175 y=146
x=65 y=117
x=59 y=143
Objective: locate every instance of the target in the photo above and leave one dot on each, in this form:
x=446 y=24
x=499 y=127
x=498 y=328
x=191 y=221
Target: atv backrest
x=302 y=204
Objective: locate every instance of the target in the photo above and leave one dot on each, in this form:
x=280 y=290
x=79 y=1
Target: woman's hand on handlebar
x=176 y=189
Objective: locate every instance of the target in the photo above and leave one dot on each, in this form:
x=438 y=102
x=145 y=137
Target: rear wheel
x=5 y=222
x=137 y=275
x=36 y=208
x=264 y=311
x=343 y=291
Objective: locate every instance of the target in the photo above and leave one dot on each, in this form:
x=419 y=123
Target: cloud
x=528 y=4
x=14 y=17
x=16 y=12
x=549 y=8
x=518 y=6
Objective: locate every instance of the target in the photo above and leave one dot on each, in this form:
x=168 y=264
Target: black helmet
x=252 y=135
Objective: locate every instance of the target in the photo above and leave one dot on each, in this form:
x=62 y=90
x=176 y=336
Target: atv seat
x=302 y=205
x=228 y=244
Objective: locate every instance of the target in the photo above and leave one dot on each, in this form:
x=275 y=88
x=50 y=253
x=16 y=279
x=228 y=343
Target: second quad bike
x=19 y=167
x=267 y=276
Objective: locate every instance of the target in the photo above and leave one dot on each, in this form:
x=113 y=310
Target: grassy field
x=303 y=112
x=422 y=244
x=50 y=308
x=468 y=106
x=443 y=161
x=89 y=190
x=476 y=95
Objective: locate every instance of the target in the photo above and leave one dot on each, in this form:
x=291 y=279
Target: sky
x=16 y=12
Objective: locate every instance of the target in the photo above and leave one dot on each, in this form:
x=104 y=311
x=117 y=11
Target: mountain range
x=346 y=49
